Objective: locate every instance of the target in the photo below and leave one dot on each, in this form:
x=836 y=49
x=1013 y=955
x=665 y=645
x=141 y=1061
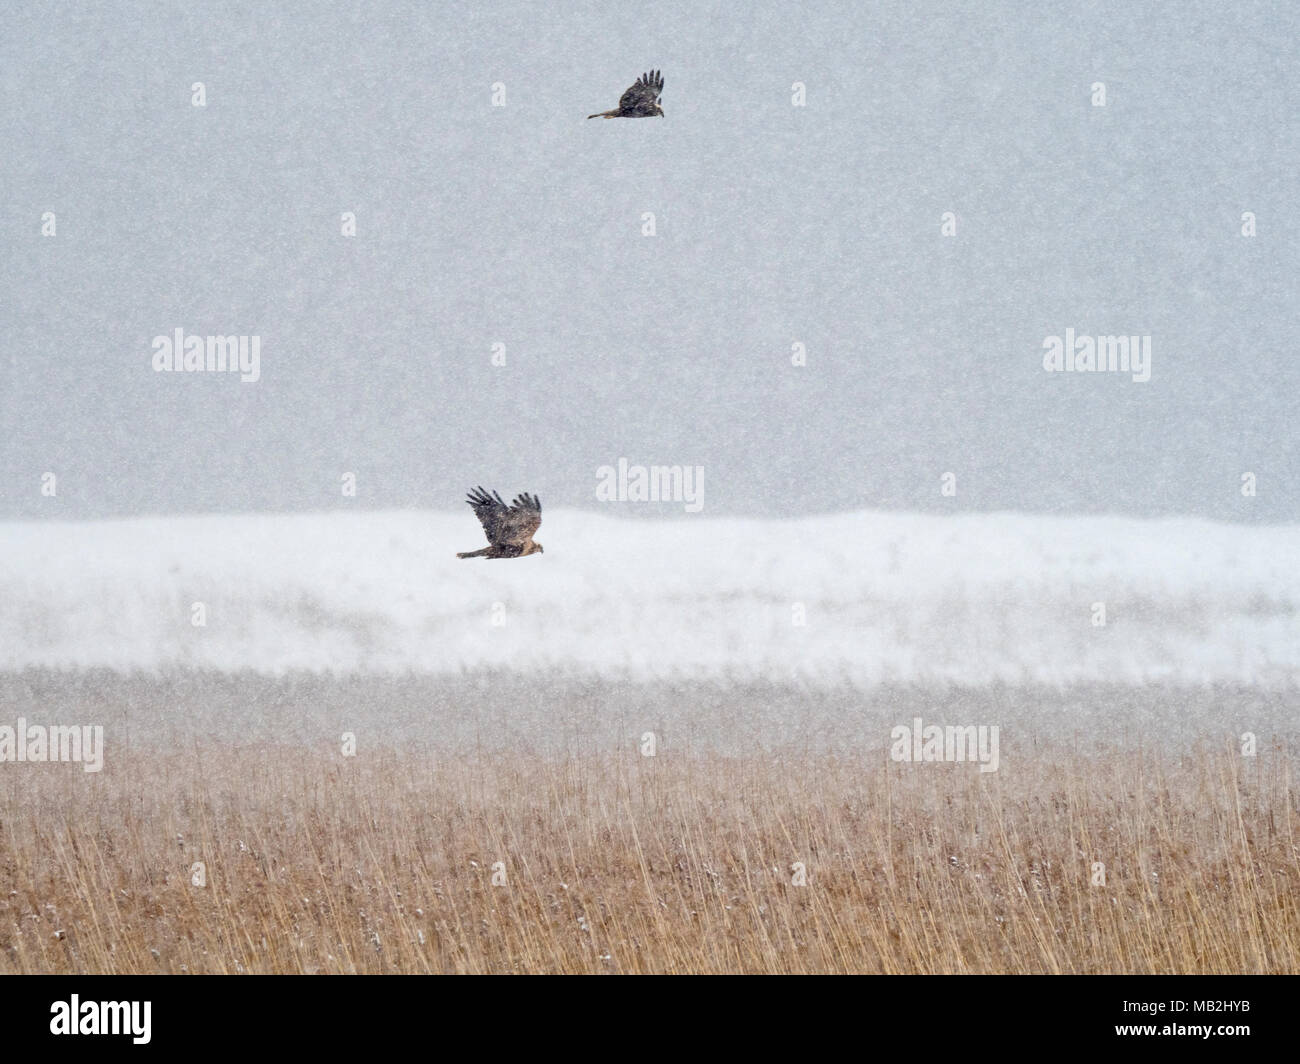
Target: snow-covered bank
x=883 y=597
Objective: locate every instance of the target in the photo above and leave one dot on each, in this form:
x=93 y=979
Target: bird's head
x=659 y=111
x=535 y=548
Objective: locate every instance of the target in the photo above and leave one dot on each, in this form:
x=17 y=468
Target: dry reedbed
x=683 y=862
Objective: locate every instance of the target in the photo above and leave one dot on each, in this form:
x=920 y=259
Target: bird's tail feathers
x=473 y=553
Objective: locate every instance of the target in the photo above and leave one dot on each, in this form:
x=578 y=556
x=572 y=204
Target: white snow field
x=884 y=597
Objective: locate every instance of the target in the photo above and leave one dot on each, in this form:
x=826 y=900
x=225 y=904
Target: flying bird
x=641 y=100
x=509 y=529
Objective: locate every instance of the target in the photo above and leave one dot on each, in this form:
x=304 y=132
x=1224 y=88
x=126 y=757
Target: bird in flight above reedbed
x=509 y=529
x=642 y=100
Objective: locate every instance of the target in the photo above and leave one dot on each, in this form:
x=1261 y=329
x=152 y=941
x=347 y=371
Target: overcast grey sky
x=776 y=224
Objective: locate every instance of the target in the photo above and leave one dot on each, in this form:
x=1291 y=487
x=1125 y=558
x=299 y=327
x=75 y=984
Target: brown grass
x=678 y=863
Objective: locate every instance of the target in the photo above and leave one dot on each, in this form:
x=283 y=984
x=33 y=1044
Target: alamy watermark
x=75 y=1016
x=25 y=742
x=1098 y=354
x=179 y=353
x=933 y=742
x=638 y=483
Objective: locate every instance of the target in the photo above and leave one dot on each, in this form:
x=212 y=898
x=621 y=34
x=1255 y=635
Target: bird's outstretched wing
x=642 y=97
x=504 y=525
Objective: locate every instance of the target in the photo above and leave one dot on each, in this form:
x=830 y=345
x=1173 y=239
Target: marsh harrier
x=510 y=528
x=641 y=100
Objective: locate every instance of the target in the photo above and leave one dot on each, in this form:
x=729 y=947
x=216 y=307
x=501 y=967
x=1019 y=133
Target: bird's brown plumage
x=642 y=100
x=509 y=529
